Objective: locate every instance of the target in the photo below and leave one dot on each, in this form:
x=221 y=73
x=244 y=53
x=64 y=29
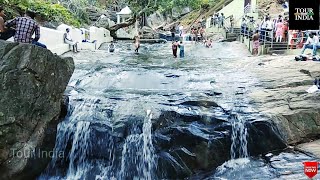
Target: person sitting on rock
x=308 y=44
x=316 y=43
x=68 y=40
x=25 y=27
x=111 y=47
x=5 y=33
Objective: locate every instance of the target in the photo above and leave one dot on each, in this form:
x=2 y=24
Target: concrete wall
x=100 y=35
x=53 y=39
x=235 y=8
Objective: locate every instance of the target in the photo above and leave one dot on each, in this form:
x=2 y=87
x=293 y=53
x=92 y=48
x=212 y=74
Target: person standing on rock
x=5 y=33
x=25 y=27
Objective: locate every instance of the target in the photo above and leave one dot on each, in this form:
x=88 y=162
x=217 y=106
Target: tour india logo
x=305 y=14
x=311 y=169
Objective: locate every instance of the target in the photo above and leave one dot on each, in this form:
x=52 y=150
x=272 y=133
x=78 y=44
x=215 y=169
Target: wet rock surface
x=32 y=82
x=151 y=116
x=284 y=98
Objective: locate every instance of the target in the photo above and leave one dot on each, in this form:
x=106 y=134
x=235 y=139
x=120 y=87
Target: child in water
x=209 y=43
x=174 y=48
x=181 y=47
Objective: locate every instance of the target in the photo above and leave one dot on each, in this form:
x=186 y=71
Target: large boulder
x=105 y=22
x=284 y=98
x=32 y=83
x=156 y=20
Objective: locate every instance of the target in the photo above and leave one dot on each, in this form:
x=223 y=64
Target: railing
x=247 y=9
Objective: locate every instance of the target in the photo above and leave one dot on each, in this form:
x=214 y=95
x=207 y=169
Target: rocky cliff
x=32 y=83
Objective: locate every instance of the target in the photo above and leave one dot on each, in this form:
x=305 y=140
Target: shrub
x=48 y=11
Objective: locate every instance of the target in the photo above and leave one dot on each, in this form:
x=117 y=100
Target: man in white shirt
x=263 y=27
x=269 y=29
x=308 y=44
x=68 y=40
x=180 y=30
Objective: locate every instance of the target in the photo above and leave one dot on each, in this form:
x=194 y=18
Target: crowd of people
x=217 y=20
x=275 y=30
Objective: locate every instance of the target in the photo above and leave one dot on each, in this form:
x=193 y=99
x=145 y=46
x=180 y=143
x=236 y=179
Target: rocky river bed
x=216 y=114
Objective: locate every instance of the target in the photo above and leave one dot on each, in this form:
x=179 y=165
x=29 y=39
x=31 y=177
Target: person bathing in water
x=111 y=47
x=209 y=43
x=181 y=47
x=137 y=43
x=174 y=48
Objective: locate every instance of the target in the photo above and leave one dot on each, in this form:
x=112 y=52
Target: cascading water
x=138 y=159
x=239 y=137
x=107 y=135
x=74 y=131
x=76 y=140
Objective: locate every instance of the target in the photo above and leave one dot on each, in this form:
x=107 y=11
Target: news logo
x=311 y=169
x=304 y=15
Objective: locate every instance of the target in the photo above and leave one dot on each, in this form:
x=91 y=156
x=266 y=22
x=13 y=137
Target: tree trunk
x=113 y=29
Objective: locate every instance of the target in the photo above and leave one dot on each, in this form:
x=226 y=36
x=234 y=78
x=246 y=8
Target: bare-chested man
x=4 y=32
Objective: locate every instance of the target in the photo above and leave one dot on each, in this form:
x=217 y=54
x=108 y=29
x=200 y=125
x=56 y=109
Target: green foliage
x=168 y=5
x=47 y=10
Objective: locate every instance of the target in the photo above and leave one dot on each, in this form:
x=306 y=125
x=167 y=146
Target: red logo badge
x=311 y=169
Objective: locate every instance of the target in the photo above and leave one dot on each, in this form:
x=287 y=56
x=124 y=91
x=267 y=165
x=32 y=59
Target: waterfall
x=74 y=130
x=239 y=137
x=77 y=141
x=138 y=159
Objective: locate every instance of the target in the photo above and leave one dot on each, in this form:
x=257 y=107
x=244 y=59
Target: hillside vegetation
x=46 y=10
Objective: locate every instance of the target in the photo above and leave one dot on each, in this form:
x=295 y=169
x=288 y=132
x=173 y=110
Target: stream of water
x=150 y=116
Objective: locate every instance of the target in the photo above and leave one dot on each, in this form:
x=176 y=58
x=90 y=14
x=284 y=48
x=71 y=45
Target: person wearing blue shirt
x=316 y=44
x=181 y=47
